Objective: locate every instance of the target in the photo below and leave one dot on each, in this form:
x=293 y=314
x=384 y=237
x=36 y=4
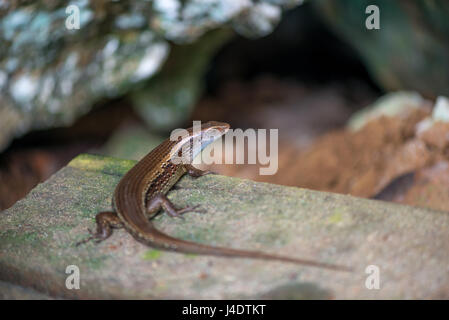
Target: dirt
x=362 y=163
x=317 y=152
x=22 y=170
x=366 y=163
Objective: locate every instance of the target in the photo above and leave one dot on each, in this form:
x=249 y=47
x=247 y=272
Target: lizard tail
x=166 y=242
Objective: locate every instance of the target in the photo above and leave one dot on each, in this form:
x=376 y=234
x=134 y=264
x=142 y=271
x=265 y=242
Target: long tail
x=158 y=239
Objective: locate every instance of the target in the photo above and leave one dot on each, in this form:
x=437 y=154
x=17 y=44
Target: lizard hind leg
x=159 y=201
x=106 y=221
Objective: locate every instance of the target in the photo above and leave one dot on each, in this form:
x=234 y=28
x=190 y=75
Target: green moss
x=152 y=254
x=16 y=238
x=102 y=164
x=336 y=217
x=97 y=263
x=89 y=212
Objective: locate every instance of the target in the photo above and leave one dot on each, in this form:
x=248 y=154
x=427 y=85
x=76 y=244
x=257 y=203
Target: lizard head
x=190 y=142
x=212 y=130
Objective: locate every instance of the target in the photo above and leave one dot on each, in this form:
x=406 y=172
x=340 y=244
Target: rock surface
x=409 y=245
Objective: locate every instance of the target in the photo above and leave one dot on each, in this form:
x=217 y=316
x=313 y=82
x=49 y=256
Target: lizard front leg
x=195 y=172
x=106 y=221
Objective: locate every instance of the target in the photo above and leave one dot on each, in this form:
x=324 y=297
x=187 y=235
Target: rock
x=130 y=142
x=441 y=109
x=392 y=104
x=409 y=245
x=51 y=74
x=363 y=162
x=434 y=129
x=408 y=52
x=9 y=291
x=168 y=98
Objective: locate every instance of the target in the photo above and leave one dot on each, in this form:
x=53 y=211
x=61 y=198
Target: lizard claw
x=85 y=240
x=93 y=236
x=180 y=212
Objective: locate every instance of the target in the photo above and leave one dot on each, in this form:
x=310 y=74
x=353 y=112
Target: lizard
x=141 y=194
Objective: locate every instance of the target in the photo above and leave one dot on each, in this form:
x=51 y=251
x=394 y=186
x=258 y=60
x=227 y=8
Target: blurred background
x=360 y=111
